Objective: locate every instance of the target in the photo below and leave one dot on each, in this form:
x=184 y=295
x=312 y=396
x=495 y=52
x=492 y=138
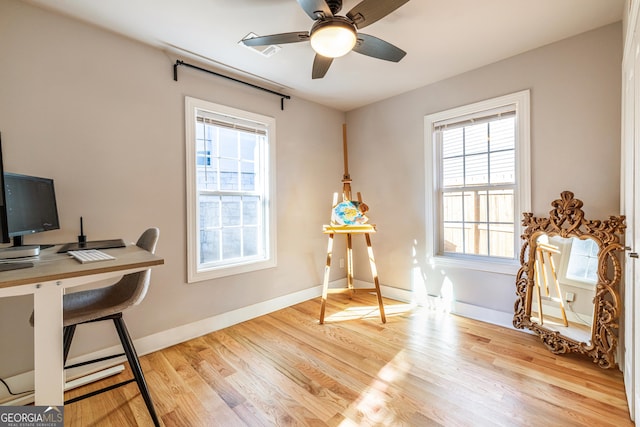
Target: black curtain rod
x=179 y=62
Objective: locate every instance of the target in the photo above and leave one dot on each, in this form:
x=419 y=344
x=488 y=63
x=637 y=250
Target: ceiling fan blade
x=283 y=38
x=316 y=8
x=377 y=48
x=369 y=11
x=321 y=65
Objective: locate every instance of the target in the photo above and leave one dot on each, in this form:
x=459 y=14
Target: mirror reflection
x=565 y=279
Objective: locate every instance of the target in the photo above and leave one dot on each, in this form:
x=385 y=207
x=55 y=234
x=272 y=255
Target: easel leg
x=537 y=285
x=558 y=290
x=350 y=265
x=325 y=281
x=374 y=273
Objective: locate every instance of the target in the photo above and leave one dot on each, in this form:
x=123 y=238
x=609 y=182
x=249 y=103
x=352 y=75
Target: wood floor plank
x=424 y=367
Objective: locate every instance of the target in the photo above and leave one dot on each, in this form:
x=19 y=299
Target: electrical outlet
x=569 y=297
x=341 y=262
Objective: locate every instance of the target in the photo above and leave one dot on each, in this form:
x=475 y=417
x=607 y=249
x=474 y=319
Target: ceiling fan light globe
x=333 y=39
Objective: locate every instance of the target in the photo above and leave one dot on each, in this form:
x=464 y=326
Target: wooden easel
x=542 y=281
x=349 y=231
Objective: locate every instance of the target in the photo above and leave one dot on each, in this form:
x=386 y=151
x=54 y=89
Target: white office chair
x=108 y=303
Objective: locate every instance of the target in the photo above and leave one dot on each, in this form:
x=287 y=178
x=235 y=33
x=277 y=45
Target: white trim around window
x=520 y=102
x=261 y=186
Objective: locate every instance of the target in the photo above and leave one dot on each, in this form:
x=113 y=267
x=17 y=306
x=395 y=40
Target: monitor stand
x=19 y=250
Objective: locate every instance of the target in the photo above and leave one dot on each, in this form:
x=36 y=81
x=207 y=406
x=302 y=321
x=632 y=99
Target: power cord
x=584 y=322
x=11 y=392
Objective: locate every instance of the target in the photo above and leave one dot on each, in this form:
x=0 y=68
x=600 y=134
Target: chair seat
x=80 y=307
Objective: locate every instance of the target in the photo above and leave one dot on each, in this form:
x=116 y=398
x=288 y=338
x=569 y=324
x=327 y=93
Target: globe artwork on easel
x=349 y=212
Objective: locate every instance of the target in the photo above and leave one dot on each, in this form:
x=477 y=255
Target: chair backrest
x=149 y=240
x=135 y=285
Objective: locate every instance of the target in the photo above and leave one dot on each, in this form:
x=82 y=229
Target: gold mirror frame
x=566 y=219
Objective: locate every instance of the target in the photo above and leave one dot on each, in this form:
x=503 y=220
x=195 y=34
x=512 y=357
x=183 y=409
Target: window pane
x=209 y=211
x=250 y=241
x=471 y=206
x=250 y=210
x=230 y=211
x=248 y=176
x=476 y=139
x=453 y=237
x=503 y=134
x=452 y=172
x=248 y=146
x=478 y=240
x=209 y=246
x=452 y=206
x=228 y=143
x=583 y=261
x=501 y=241
x=503 y=167
x=452 y=143
x=231 y=243
x=207 y=176
x=481 y=203
x=477 y=169
x=501 y=204
x=229 y=174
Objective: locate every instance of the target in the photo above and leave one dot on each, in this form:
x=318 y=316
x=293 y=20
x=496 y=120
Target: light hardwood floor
x=422 y=368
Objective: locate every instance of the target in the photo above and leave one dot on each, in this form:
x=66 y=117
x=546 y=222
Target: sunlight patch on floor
x=373 y=407
x=369 y=311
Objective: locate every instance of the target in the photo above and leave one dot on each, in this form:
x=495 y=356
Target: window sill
x=509 y=267
x=230 y=270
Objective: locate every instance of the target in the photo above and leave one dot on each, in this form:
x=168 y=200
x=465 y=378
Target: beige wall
x=102 y=115
x=575 y=138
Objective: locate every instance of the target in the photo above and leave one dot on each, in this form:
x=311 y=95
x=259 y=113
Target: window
x=230 y=189
x=577 y=261
x=478 y=181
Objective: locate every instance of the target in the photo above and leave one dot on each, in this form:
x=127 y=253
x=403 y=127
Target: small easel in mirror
x=348 y=218
x=543 y=269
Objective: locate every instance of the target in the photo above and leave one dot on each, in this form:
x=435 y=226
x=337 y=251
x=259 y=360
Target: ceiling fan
x=332 y=35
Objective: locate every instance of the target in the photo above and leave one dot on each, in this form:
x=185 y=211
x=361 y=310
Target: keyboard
x=90 y=255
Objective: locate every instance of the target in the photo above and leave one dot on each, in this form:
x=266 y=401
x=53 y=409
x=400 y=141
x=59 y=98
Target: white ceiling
x=442 y=38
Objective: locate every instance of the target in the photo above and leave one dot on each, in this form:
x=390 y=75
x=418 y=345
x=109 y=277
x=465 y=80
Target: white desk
x=47 y=281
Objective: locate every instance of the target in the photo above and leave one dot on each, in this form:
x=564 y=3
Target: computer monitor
x=4 y=231
x=30 y=204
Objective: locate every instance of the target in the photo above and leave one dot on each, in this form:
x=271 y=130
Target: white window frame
x=198 y=272
x=521 y=102
x=566 y=245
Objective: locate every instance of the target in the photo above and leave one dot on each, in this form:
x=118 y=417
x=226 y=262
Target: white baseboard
x=170 y=337
x=483 y=314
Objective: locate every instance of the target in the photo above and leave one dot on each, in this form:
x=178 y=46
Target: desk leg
x=49 y=373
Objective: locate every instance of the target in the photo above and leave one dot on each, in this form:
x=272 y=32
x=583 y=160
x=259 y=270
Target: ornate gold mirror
x=567 y=285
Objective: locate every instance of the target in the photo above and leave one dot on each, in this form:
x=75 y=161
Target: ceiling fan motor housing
x=334 y=5
x=335 y=21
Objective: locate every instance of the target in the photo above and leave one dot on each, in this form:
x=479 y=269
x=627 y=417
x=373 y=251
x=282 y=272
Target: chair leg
x=134 y=363
x=68 y=332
